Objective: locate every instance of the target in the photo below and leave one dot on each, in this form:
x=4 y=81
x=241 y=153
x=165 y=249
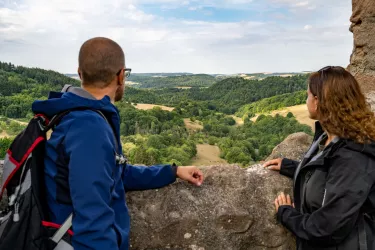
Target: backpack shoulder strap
x=59 y=234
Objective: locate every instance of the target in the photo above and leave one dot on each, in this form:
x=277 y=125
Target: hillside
x=299 y=112
x=153 y=136
x=172 y=81
x=272 y=103
x=235 y=92
x=227 y=95
x=20 y=86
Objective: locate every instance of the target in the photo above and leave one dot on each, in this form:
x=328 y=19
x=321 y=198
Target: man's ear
x=120 y=78
x=79 y=73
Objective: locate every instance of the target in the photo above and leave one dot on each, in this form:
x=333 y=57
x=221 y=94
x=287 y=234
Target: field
x=299 y=111
x=143 y=106
x=207 y=155
x=192 y=125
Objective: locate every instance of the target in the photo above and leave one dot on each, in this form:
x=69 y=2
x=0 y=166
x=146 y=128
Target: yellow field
x=299 y=111
x=144 y=106
x=208 y=155
x=192 y=125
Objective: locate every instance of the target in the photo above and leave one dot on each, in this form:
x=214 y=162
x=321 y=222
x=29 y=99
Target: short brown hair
x=99 y=60
x=342 y=108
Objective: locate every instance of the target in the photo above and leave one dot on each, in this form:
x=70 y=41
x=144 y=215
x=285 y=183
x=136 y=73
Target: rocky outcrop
x=371 y=99
x=293 y=147
x=232 y=210
x=362 y=61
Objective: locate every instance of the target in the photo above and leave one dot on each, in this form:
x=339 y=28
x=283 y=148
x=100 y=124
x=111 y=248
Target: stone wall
x=362 y=61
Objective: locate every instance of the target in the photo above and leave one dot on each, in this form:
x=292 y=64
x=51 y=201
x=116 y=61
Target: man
x=82 y=175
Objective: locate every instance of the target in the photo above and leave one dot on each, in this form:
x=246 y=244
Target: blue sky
x=206 y=36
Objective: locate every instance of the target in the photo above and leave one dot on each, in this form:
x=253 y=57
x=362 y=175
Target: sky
x=197 y=36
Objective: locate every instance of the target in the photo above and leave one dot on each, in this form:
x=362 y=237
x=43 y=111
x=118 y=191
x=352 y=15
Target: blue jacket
x=82 y=175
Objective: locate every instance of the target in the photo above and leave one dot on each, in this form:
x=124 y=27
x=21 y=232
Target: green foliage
x=255 y=141
x=156 y=136
x=147 y=81
x=230 y=94
x=290 y=115
x=273 y=103
x=4 y=146
x=20 y=86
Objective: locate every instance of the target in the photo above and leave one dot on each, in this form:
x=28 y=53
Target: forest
x=147 y=81
x=157 y=136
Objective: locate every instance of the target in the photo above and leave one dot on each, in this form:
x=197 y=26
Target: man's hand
x=191 y=174
x=273 y=164
x=283 y=200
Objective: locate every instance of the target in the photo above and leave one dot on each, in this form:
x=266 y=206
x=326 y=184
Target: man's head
x=102 y=66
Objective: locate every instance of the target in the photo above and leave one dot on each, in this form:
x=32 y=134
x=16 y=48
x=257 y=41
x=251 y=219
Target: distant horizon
x=190 y=73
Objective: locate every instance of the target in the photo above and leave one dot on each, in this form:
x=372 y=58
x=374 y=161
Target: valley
x=178 y=118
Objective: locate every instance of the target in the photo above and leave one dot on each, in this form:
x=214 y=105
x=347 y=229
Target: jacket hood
x=58 y=102
x=368 y=148
x=77 y=98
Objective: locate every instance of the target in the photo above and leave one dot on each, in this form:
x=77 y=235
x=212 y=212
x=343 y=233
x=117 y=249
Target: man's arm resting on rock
x=143 y=178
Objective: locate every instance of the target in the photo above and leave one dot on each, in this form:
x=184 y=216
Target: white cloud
x=137 y=15
x=301 y=4
x=48 y=34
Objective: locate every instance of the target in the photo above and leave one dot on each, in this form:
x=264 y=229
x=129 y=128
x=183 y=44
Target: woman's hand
x=273 y=164
x=283 y=200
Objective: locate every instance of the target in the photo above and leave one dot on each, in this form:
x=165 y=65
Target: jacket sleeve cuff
x=281 y=211
x=288 y=167
x=174 y=169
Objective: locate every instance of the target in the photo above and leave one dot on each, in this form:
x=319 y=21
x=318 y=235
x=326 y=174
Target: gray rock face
x=293 y=147
x=232 y=210
x=362 y=60
x=371 y=99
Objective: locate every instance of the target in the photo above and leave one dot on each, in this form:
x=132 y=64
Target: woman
x=334 y=191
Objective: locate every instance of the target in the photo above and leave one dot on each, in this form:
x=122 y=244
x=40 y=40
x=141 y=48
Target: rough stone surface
x=232 y=210
x=362 y=60
x=371 y=99
x=293 y=147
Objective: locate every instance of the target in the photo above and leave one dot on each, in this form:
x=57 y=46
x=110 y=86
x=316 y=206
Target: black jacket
x=334 y=197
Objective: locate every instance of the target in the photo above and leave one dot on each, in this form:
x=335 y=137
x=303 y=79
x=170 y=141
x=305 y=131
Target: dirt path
x=144 y=106
x=207 y=155
x=299 y=111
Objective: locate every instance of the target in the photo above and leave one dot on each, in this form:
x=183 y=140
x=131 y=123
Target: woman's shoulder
x=350 y=153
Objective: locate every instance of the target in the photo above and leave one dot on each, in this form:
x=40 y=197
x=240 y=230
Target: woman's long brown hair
x=342 y=107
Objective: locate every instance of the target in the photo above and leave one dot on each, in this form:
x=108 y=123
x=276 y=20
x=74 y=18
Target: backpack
x=24 y=225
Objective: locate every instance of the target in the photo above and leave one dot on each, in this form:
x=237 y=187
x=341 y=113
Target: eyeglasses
x=127 y=72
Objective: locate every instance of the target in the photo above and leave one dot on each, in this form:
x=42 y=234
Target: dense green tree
x=4 y=146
